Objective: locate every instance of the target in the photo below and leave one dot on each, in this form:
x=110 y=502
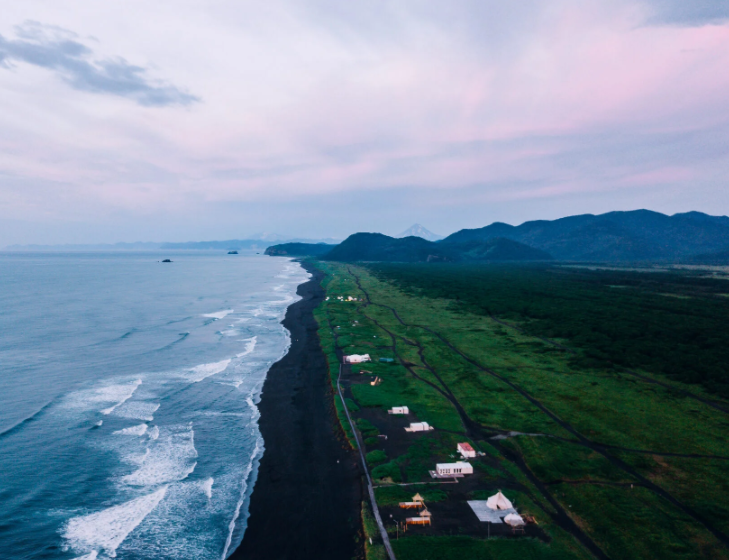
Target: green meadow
x=611 y=463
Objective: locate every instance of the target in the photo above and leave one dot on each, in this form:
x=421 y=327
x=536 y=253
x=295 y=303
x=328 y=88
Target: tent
x=499 y=501
x=417 y=498
x=514 y=519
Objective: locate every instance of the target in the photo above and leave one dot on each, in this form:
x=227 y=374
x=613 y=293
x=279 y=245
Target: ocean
x=128 y=391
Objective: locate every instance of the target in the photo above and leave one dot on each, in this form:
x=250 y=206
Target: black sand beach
x=306 y=501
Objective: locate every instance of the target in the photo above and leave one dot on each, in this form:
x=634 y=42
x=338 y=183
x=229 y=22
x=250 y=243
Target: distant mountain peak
x=417 y=230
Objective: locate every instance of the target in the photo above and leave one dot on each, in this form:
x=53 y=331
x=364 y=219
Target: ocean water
x=128 y=391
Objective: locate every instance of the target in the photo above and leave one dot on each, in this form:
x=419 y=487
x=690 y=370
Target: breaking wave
x=250 y=346
x=203 y=371
x=173 y=458
x=139 y=430
x=118 y=393
x=218 y=314
x=242 y=497
x=105 y=530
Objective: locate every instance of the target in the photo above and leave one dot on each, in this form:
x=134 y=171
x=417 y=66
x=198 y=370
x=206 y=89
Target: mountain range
x=257 y=241
x=635 y=236
x=640 y=235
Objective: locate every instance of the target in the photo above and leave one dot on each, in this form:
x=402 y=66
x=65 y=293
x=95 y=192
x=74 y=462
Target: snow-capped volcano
x=419 y=231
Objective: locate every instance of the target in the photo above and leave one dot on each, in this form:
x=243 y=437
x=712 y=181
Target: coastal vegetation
x=584 y=424
x=663 y=322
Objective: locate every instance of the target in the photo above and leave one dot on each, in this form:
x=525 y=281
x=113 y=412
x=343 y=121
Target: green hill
x=298 y=249
x=375 y=247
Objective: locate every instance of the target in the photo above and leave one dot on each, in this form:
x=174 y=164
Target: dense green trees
x=670 y=323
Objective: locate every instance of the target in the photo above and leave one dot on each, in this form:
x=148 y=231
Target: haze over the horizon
x=169 y=121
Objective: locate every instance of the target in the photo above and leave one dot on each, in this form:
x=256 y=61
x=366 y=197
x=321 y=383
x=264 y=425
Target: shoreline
x=306 y=501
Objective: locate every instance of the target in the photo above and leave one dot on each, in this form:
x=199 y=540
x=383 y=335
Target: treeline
x=661 y=322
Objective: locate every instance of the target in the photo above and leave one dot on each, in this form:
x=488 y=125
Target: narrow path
x=370 y=489
x=594 y=483
x=723 y=538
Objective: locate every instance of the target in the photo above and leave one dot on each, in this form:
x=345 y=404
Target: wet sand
x=306 y=501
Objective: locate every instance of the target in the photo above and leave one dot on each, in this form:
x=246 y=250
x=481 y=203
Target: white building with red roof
x=466 y=451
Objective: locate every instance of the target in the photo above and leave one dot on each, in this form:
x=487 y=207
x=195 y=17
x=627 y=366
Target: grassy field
x=610 y=464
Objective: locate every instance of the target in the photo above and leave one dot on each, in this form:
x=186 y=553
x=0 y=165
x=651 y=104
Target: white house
x=357 y=359
x=419 y=427
x=466 y=451
x=453 y=468
x=399 y=410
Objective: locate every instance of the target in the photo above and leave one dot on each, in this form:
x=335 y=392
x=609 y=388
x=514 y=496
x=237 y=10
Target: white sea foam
x=207 y=487
x=203 y=371
x=241 y=499
x=171 y=459
x=153 y=433
x=139 y=430
x=122 y=392
x=106 y=530
x=137 y=410
x=90 y=556
x=137 y=459
x=116 y=393
x=218 y=314
x=250 y=346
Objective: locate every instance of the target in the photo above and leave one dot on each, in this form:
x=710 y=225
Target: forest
x=660 y=321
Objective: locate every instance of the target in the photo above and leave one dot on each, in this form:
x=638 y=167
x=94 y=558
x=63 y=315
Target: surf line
x=239 y=505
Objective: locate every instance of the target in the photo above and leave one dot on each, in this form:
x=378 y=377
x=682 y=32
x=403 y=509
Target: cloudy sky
x=190 y=120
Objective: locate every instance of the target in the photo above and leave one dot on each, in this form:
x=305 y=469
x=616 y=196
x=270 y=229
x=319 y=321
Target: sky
x=190 y=120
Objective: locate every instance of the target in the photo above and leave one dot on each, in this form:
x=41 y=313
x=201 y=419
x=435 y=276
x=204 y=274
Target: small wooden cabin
x=417 y=502
x=422 y=519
